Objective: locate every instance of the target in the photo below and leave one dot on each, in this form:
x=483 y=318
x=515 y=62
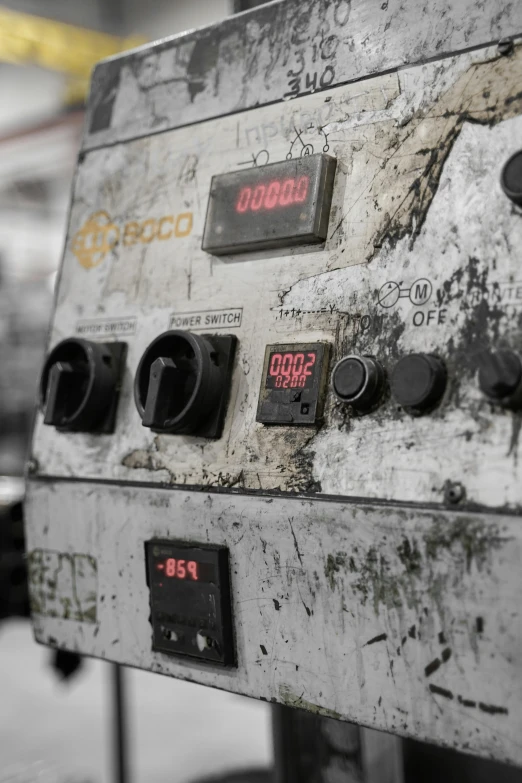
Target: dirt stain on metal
x=63 y=585
x=290 y=699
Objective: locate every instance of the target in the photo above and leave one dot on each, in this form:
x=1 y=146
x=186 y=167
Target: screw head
x=505 y=47
x=454 y=492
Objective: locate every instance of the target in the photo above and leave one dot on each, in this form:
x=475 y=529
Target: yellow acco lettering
x=99 y=235
x=153 y=224
x=131 y=234
x=181 y=231
x=163 y=221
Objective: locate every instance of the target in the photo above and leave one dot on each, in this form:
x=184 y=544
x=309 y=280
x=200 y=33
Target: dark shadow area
x=429 y=764
x=246 y=776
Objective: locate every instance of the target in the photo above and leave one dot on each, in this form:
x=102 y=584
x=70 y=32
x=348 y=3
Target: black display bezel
x=184 y=607
x=294 y=406
x=227 y=233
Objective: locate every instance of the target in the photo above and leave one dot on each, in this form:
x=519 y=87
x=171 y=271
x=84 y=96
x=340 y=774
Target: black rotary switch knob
x=182 y=383
x=500 y=377
x=358 y=381
x=418 y=382
x=511 y=178
x=79 y=385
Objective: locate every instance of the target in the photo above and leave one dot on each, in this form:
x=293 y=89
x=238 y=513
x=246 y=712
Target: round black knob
x=511 y=178
x=418 y=382
x=180 y=382
x=78 y=385
x=358 y=381
x=500 y=377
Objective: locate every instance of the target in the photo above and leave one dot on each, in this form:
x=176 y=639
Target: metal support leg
x=312 y=749
x=120 y=745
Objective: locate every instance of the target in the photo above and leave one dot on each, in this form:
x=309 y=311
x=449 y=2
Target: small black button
x=182 y=383
x=79 y=385
x=500 y=377
x=511 y=178
x=418 y=382
x=358 y=381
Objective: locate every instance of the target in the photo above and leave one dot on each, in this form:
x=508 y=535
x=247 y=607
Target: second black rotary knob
x=182 y=383
x=358 y=381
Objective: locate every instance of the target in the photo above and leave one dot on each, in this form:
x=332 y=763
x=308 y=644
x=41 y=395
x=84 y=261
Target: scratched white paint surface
x=396 y=616
x=280 y=52
x=400 y=620
x=381 y=132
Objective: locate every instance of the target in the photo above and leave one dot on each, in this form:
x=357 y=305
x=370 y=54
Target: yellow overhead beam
x=32 y=40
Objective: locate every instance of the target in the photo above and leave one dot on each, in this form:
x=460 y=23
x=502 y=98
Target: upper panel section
x=278 y=52
x=410 y=311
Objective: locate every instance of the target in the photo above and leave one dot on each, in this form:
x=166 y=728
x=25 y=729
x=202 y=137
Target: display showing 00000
x=275 y=194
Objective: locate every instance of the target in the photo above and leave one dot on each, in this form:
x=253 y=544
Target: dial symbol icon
x=389 y=294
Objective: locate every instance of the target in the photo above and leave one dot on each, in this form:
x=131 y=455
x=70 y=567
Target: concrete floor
x=54 y=732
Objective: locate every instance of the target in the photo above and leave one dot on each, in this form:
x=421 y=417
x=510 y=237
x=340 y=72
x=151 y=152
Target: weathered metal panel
x=402 y=619
x=419 y=257
x=357 y=592
x=279 y=52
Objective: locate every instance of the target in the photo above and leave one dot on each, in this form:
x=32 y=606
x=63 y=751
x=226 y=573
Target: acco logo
x=99 y=235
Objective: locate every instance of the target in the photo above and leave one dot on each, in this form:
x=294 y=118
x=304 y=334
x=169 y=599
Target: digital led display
x=293 y=383
x=179 y=568
x=190 y=600
x=272 y=206
x=291 y=370
x=273 y=194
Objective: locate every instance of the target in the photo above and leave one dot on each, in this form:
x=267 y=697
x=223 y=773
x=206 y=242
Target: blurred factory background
x=51 y=730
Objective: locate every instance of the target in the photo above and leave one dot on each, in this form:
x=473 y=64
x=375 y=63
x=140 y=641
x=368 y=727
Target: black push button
x=418 y=382
x=182 y=383
x=500 y=377
x=79 y=386
x=358 y=381
x=511 y=178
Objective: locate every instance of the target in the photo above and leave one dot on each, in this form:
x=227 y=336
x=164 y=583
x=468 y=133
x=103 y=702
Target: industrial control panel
x=278 y=441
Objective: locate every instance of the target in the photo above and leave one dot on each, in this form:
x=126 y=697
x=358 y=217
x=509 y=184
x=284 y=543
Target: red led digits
x=291 y=370
x=257 y=199
x=272 y=194
x=301 y=189
x=179 y=569
x=244 y=200
x=287 y=192
x=278 y=193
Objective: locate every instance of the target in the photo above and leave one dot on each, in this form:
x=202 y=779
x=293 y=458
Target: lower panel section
x=401 y=619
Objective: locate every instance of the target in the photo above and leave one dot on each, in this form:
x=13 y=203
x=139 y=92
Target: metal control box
x=336 y=405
